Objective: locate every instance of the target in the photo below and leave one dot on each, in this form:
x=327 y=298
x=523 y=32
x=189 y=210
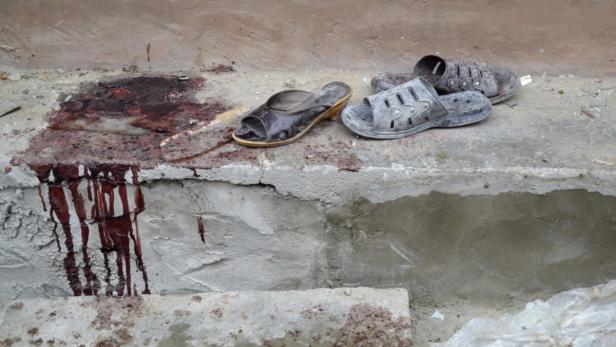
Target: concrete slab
x=483 y=218
x=538 y=142
x=323 y=317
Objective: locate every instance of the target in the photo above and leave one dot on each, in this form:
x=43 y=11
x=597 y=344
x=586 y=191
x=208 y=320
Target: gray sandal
x=450 y=76
x=413 y=107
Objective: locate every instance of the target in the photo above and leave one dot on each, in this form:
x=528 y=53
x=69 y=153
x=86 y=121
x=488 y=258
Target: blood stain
x=117 y=230
x=122 y=120
x=201 y=228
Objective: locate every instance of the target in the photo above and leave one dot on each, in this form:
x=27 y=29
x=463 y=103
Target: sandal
x=288 y=115
x=450 y=76
x=413 y=107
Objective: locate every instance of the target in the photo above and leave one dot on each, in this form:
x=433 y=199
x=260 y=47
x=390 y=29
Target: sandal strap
x=468 y=75
x=460 y=75
x=405 y=106
x=273 y=122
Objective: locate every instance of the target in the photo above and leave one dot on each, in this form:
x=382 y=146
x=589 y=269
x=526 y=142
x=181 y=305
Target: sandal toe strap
x=468 y=76
x=405 y=106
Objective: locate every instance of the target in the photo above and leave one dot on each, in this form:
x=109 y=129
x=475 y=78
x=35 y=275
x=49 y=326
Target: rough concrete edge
x=355 y=303
x=376 y=184
x=386 y=295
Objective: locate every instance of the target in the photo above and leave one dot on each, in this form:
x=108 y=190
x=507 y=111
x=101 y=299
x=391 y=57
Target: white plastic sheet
x=584 y=317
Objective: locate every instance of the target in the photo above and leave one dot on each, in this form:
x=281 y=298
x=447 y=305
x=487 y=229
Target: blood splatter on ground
x=122 y=120
x=135 y=106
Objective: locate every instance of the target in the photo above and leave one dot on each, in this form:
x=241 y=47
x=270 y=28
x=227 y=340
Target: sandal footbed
x=358 y=118
x=508 y=82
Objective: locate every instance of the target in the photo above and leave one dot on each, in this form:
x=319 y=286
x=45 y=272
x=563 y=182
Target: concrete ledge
x=321 y=317
x=538 y=142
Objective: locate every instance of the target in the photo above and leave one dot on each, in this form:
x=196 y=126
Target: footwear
x=288 y=115
x=450 y=76
x=413 y=107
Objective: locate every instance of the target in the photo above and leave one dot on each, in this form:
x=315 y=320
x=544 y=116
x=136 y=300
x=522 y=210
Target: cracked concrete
x=463 y=255
x=471 y=221
x=437 y=244
x=429 y=213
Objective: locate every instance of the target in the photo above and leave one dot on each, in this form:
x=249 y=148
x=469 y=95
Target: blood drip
x=116 y=229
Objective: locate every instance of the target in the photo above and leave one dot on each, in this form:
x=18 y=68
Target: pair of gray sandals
x=438 y=93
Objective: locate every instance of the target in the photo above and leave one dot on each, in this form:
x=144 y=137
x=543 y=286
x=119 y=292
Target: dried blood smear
x=122 y=120
x=201 y=228
x=101 y=135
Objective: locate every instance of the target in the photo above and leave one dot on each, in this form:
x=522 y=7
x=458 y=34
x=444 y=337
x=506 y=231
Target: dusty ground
x=557 y=36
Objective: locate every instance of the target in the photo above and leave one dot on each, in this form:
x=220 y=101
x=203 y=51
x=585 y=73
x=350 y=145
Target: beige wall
x=544 y=35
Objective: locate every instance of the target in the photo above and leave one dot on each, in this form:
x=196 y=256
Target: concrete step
x=320 y=317
x=489 y=216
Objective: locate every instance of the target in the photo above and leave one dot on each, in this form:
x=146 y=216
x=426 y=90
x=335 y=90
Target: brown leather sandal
x=288 y=115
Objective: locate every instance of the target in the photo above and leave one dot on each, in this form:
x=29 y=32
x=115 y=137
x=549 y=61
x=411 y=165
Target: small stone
x=290 y=83
x=438 y=316
x=130 y=68
x=15 y=76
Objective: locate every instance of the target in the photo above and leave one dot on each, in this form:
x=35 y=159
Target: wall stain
x=118 y=231
x=119 y=120
x=201 y=228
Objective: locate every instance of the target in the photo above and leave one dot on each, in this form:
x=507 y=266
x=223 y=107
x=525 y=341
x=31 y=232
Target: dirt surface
x=570 y=36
